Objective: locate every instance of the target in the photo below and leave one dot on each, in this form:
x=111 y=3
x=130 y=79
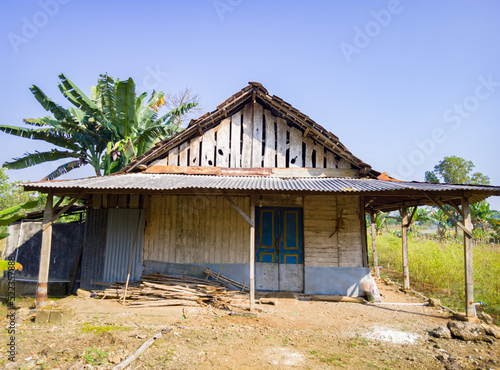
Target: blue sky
x=401 y=83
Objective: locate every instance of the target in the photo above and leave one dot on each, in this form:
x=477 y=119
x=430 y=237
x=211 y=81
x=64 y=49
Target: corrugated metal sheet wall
x=120 y=236
x=93 y=252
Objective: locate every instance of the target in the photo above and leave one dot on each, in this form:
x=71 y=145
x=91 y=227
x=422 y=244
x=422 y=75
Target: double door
x=279 y=249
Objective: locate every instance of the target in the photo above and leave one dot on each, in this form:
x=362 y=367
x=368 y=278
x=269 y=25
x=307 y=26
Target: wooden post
x=404 y=237
x=252 y=251
x=469 y=278
x=43 y=274
x=374 y=243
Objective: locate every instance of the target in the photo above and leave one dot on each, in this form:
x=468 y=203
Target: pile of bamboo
x=227 y=282
x=157 y=289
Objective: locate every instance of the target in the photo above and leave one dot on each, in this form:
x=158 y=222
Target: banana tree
x=421 y=215
x=107 y=130
x=440 y=218
x=10 y=215
x=482 y=215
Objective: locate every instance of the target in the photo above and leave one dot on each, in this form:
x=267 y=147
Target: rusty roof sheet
x=166 y=182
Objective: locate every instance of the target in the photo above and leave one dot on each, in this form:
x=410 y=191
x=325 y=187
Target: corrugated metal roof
x=162 y=182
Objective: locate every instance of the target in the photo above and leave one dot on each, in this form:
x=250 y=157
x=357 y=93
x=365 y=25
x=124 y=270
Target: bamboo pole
x=43 y=273
x=141 y=349
x=469 y=277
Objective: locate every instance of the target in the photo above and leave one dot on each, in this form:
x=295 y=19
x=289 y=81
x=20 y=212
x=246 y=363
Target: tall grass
x=438 y=270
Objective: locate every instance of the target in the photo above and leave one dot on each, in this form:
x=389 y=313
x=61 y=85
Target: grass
x=437 y=270
x=94 y=356
x=88 y=327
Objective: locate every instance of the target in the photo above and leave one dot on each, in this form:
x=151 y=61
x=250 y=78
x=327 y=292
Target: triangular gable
x=253 y=130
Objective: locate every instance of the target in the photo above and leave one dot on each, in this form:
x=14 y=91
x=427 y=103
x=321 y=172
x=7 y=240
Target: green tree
x=106 y=131
x=441 y=220
x=12 y=201
x=11 y=193
x=456 y=170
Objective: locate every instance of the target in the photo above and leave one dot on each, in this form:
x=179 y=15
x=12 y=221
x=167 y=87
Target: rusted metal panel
x=123 y=224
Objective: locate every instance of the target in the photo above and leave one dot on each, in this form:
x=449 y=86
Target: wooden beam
x=252 y=251
x=412 y=214
x=469 y=278
x=374 y=242
x=240 y=211
x=453 y=218
x=404 y=238
x=59 y=202
x=208 y=170
x=43 y=272
x=61 y=212
x=313 y=172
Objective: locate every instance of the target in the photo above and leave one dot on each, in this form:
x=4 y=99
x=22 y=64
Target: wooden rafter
x=453 y=218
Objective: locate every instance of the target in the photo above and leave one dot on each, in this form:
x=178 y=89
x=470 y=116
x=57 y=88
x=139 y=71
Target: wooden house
x=255 y=190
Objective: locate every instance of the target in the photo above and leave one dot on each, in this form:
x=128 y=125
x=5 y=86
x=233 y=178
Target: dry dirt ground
x=294 y=333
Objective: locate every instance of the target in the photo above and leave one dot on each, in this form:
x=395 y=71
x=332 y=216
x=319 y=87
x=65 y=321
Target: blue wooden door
x=279 y=249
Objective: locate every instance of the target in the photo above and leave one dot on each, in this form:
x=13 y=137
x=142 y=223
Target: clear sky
x=401 y=83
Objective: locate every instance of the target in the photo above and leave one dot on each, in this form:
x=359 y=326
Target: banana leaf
x=32 y=159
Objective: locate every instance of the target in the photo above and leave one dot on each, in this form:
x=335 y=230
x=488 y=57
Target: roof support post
x=252 y=251
x=469 y=278
x=404 y=237
x=43 y=274
x=373 y=219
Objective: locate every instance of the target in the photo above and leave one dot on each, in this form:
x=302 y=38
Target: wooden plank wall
x=321 y=215
x=320 y=221
x=196 y=229
x=350 y=235
x=253 y=137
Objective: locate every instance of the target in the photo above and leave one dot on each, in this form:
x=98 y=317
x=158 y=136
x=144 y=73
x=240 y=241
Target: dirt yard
x=294 y=333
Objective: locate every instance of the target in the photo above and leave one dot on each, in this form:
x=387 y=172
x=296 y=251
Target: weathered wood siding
x=207 y=229
x=196 y=229
x=253 y=137
x=349 y=236
x=322 y=215
x=320 y=221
